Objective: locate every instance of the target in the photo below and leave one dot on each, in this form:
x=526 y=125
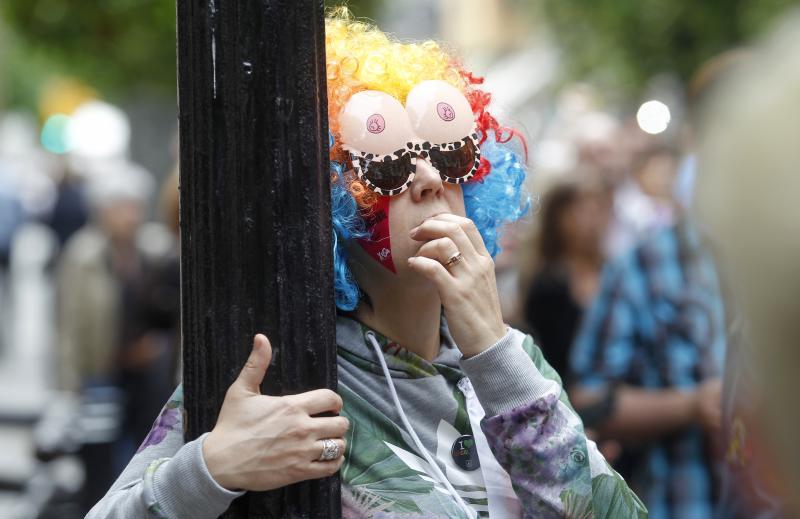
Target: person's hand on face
x=264 y=442
x=467 y=287
x=428 y=228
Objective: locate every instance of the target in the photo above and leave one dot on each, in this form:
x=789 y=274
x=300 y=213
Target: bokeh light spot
x=653 y=117
x=99 y=129
x=54 y=134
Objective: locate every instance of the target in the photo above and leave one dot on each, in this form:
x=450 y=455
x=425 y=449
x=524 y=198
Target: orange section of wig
x=362 y=57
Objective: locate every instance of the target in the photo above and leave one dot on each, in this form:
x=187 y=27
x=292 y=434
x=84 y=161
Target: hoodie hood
x=403 y=364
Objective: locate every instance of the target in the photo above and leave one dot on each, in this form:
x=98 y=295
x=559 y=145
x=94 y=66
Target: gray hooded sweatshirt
x=489 y=436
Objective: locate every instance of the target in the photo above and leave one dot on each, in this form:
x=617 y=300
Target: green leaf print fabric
x=555 y=471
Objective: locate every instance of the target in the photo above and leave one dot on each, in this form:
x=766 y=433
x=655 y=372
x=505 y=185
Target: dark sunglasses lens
x=454 y=163
x=388 y=175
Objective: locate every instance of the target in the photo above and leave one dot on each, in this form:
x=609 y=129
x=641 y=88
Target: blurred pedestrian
x=110 y=328
x=159 y=299
x=647 y=363
x=12 y=216
x=644 y=203
x=564 y=268
x=71 y=207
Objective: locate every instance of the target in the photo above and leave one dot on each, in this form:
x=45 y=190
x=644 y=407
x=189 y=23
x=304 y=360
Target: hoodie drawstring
x=410 y=430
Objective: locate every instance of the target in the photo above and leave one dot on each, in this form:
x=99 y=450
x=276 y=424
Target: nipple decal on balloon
x=445 y=111
x=376 y=123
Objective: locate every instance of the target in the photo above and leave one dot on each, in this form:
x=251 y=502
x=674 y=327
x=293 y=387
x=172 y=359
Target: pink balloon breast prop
x=438 y=112
x=374 y=122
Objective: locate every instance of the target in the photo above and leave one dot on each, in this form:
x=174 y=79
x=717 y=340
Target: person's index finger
x=432 y=228
x=319 y=401
x=469 y=228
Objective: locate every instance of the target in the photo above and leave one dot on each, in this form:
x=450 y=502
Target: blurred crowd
x=620 y=290
x=620 y=274
x=643 y=279
x=101 y=238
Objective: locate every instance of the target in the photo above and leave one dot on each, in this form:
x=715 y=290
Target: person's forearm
x=180 y=486
x=639 y=415
x=121 y=504
x=538 y=439
x=166 y=478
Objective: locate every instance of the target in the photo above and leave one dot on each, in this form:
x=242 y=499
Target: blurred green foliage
x=112 y=46
x=623 y=43
x=115 y=46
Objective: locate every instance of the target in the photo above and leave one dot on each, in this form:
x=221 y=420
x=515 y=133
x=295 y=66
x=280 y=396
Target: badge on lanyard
x=465 y=453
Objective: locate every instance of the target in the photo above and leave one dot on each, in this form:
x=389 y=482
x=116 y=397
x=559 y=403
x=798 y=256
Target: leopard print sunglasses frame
x=361 y=161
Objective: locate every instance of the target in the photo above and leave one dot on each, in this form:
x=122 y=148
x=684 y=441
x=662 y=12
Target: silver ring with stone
x=330 y=450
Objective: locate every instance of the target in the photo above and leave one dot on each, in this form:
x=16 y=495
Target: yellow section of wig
x=362 y=57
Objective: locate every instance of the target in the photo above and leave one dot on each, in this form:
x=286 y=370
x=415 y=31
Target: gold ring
x=455 y=258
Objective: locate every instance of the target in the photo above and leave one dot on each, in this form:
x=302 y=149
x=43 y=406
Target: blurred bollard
x=98 y=425
x=75 y=442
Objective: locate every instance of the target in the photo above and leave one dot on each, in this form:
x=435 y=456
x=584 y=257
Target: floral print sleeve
x=165 y=478
x=168 y=421
x=556 y=471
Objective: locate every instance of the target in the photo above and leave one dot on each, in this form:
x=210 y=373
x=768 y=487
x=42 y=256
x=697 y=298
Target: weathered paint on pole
x=255 y=213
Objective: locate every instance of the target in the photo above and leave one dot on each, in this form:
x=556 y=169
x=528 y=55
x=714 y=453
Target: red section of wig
x=479 y=100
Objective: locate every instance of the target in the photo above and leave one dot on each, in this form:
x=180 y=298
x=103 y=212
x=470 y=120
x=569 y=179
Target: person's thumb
x=256 y=366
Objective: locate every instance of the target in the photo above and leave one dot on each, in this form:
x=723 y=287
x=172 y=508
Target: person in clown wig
x=444 y=411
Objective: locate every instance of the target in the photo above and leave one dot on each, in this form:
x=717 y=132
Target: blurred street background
x=607 y=93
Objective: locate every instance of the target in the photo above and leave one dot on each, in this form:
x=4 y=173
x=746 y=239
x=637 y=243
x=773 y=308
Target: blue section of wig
x=492 y=202
x=500 y=197
x=347 y=225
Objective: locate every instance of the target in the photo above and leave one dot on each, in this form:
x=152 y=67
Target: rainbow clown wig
x=361 y=57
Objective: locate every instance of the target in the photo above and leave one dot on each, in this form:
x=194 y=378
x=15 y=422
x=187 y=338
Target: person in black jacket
x=567 y=258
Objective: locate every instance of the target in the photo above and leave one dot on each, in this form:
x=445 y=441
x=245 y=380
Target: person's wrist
x=484 y=341
x=213 y=463
x=693 y=398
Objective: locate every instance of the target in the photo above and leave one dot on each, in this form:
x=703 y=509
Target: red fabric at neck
x=379 y=246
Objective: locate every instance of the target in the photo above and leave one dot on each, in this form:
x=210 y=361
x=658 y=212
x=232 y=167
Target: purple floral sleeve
x=555 y=470
x=170 y=417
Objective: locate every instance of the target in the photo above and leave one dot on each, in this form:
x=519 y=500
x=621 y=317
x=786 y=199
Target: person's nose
x=427 y=182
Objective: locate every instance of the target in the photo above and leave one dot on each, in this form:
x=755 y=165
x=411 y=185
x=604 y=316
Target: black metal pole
x=255 y=213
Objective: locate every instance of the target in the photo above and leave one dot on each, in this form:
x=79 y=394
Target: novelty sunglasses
x=390 y=175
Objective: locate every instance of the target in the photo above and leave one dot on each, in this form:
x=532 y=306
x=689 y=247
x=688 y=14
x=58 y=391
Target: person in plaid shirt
x=647 y=364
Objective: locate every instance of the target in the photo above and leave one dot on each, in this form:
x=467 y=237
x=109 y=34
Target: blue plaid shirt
x=657 y=322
